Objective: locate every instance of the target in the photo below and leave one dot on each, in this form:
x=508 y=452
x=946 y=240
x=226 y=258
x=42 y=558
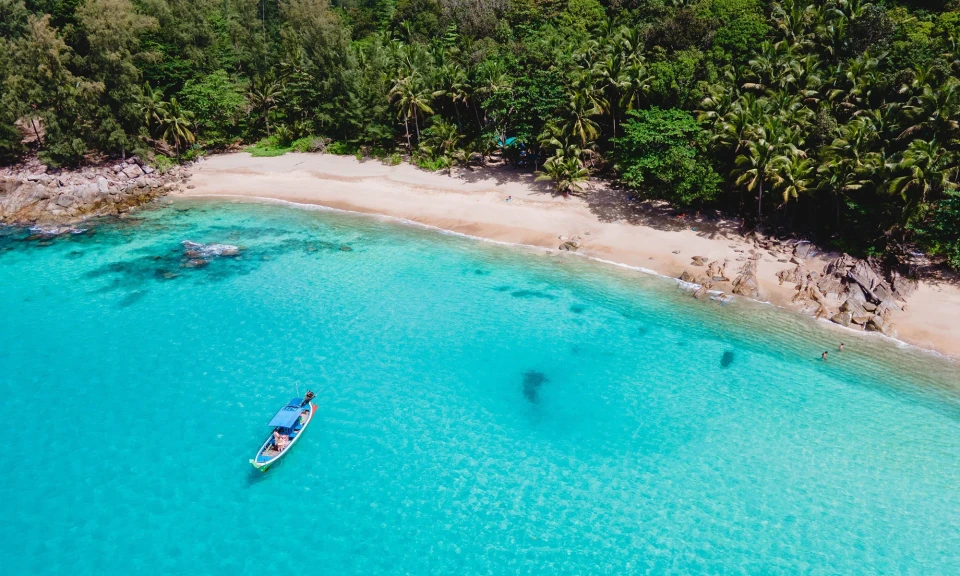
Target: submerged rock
x=532 y=381
x=197 y=250
x=727 y=359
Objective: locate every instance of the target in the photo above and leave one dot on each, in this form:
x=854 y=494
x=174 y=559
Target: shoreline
x=475 y=205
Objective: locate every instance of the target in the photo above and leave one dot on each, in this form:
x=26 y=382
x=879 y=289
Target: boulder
x=699 y=261
x=66 y=199
x=746 y=283
x=687 y=277
x=830 y=285
x=903 y=287
x=842 y=318
x=196 y=250
x=132 y=171
x=858 y=315
x=804 y=249
x=103 y=185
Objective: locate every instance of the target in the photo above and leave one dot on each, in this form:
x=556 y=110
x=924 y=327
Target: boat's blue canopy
x=287 y=416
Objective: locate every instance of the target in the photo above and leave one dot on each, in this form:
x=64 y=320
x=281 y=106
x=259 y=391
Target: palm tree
x=567 y=174
x=150 y=107
x=756 y=161
x=411 y=98
x=792 y=174
x=582 y=106
x=264 y=95
x=175 y=123
x=930 y=168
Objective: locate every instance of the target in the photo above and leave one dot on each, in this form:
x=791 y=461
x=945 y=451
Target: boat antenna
x=297 y=384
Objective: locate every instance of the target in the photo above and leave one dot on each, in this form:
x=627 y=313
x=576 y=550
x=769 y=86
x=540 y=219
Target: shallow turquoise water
x=483 y=410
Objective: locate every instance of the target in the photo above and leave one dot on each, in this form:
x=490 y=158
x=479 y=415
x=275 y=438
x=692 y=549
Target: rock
x=570 y=245
x=842 y=318
x=874 y=324
x=147 y=169
x=699 y=261
x=830 y=285
x=132 y=171
x=804 y=249
x=66 y=200
x=903 y=287
x=103 y=185
x=858 y=314
x=796 y=260
x=795 y=275
x=746 y=283
x=687 y=277
x=209 y=250
x=346 y=249
x=886 y=307
x=676 y=251
x=195 y=263
x=869 y=281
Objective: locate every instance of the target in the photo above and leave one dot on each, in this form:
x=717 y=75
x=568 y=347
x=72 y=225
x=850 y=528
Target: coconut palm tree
x=264 y=95
x=567 y=174
x=928 y=168
x=175 y=123
x=411 y=98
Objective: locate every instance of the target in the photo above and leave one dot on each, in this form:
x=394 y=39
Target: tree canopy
x=838 y=119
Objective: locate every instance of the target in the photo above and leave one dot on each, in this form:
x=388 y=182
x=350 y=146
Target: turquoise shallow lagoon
x=483 y=410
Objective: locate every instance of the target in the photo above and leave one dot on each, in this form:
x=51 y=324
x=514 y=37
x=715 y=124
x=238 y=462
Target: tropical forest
x=835 y=120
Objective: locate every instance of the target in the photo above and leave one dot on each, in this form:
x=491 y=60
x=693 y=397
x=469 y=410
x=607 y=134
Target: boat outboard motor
x=306 y=399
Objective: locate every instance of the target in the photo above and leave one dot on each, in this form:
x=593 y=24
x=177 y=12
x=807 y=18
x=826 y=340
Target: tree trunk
x=33 y=122
x=406 y=126
x=416 y=124
x=477 y=114
x=266 y=120
x=760 y=205
x=457 y=110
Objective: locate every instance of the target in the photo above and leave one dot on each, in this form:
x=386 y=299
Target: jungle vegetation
x=835 y=119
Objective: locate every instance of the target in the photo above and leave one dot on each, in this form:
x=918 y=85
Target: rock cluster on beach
x=30 y=193
x=851 y=292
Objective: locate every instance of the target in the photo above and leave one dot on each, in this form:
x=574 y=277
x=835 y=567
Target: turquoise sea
x=484 y=409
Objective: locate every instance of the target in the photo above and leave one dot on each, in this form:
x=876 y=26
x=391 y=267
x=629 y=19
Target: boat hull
x=262 y=465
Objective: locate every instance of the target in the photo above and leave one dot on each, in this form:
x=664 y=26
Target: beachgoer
x=824 y=355
x=509 y=198
x=841 y=346
x=304 y=416
x=276 y=440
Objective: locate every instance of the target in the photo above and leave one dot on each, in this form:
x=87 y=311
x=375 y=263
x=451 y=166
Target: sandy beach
x=610 y=226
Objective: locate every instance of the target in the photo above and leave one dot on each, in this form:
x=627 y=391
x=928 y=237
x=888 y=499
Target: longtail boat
x=288 y=425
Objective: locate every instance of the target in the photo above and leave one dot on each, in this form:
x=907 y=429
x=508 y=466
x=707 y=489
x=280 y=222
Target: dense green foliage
x=665 y=151
x=837 y=119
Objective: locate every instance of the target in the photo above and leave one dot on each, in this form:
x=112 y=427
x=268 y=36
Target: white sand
x=474 y=203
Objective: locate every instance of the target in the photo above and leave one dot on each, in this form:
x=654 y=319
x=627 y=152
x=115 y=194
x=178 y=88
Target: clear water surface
x=483 y=410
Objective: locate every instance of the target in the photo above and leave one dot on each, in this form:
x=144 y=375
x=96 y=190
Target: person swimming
x=824 y=355
x=841 y=347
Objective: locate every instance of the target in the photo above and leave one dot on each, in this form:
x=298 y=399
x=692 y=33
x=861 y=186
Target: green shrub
x=162 y=163
x=267 y=147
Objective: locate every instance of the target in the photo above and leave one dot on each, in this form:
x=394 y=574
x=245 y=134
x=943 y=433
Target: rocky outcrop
x=32 y=194
x=746 y=283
